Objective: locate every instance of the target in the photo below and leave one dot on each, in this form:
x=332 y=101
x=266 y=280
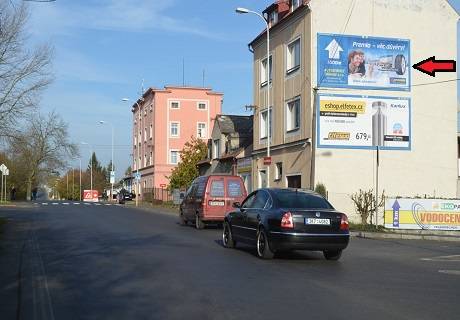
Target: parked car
x=209 y=198
x=124 y=195
x=287 y=219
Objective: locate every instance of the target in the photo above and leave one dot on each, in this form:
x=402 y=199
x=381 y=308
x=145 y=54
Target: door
x=262 y=178
x=189 y=205
x=215 y=205
x=255 y=213
x=239 y=221
x=234 y=192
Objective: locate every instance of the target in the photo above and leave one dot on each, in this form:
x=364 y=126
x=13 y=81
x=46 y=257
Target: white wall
x=431 y=165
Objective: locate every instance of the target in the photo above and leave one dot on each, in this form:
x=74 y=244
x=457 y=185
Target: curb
x=155 y=209
x=402 y=236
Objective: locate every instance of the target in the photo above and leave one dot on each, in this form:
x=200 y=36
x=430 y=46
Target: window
x=293 y=115
x=234 y=188
x=175 y=105
x=263 y=71
x=260 y=200
x=273 y=18
x=216 y=148
x=135 y=140
x=301 y=200
x=151 y=158
x=293 y=56
x=295 y=4
x=201 y=130
x=145 y=160
x=279 y=171
x=151 y=131
x=140 y=162
x=262 y=178
x=140 y=136
x=145 y=134
x=174 y=129
x=174 y=157
x=217 y=188
x=248 y=203
x=264 y=123
x=202 y=106
x=135 y=165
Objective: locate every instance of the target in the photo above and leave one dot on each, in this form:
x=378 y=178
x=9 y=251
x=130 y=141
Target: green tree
x=128 y=171
x=194 y=151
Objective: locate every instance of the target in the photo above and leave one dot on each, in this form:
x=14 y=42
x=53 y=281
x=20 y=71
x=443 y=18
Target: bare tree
x=24 y=73
x=45 y=147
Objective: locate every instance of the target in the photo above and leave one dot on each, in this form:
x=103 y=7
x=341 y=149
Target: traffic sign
x=137 y=176
x=3 y=168
x=112 y=177
x=267 y=161
x=90 y=195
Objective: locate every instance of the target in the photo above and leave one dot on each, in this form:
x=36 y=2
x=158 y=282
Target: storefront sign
x=428 y=214
x=363 y=122
x=346 y=61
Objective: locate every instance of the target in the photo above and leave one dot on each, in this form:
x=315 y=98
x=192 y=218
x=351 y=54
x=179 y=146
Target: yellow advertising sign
x=428 y=214
x=343 y=106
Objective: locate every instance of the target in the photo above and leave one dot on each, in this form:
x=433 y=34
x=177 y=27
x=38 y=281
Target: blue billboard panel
x=359 y=62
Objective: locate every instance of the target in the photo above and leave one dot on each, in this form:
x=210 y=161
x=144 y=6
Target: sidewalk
x=453 y=236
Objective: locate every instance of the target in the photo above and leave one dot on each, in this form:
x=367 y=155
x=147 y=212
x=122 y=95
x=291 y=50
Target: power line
x=430 y=83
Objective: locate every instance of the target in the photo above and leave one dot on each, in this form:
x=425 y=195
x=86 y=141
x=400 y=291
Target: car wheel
x=263 y=249
x=332 y=255
x=182 y=220
x=227 y=237
x=199 y=224
x=400 y=64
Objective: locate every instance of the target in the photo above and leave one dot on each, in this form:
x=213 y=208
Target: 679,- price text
x=363 y=136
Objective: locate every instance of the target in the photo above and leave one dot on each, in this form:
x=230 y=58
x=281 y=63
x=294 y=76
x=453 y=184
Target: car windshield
x=301 y=200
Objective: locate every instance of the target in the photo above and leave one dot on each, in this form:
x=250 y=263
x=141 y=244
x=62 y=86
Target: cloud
x=114 y=15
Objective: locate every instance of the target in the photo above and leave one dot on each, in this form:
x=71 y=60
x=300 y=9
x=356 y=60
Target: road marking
x=55 y=203
x=76 y=203
x=97 y=204
x=453 y=272
x=87 y=204
x=455 y=257
x=107 y=204
x=44 y=204
x=66 y=203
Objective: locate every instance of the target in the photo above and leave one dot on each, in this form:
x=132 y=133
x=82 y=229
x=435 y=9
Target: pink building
x=163 y=121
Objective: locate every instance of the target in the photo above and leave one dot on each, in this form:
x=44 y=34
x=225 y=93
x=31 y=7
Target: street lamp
x=137 y=160
x=91 y=162
x=244 y=11
x=112 y=180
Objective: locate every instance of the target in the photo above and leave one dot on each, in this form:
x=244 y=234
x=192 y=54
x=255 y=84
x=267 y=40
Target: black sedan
x=287 y=219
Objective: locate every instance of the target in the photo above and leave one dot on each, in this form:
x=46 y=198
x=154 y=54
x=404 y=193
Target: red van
x=209 y=198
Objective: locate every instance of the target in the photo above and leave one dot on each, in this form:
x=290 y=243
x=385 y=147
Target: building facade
x=163 y=121
x=307 y=92
x=230 y=148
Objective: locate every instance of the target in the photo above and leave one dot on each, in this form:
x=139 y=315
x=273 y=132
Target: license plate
x=317 y=221
x=216 y=203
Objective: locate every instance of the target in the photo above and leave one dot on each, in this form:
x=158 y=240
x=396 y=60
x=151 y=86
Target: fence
x=157 y=195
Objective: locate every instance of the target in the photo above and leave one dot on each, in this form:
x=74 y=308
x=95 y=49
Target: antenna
x=203 y=77
x=183 y=72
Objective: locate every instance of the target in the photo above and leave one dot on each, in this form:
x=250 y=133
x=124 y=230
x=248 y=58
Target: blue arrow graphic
x=396 y=207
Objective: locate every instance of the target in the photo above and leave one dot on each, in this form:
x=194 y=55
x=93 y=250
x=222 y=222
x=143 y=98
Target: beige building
x=426 y=165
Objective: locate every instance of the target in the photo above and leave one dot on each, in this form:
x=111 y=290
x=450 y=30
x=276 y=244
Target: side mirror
x=236 y=205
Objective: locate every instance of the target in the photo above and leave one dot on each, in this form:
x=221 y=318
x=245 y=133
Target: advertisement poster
x=363 y=122
x=90 y=195
x=426 y=214
x=363 y=62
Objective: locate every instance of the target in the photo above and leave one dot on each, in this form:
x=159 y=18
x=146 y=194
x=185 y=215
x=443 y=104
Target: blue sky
x=105 y=48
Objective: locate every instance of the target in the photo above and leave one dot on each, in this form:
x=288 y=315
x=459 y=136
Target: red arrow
x=430 y=66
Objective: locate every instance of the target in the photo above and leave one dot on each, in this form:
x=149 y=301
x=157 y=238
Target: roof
x=233 y=123
x=303 y=3
x=169 y=88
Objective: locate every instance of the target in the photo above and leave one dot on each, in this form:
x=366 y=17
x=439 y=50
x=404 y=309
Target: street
x=115 y=262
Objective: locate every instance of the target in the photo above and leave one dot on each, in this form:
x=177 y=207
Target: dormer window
x=273 y=17
x=295 y=4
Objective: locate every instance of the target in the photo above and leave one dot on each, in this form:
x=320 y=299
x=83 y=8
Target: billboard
x=90 y=195
x=363 y=122
x=360 y=62
x=427 y=214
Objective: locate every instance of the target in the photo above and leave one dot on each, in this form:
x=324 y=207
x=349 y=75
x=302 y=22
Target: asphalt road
x=111 y=262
